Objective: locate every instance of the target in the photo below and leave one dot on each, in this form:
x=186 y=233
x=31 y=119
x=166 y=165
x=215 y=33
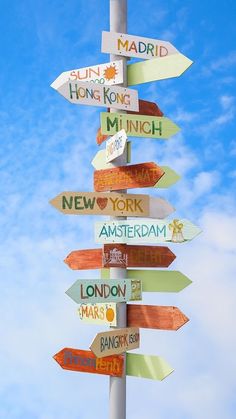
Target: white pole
x=117 y=399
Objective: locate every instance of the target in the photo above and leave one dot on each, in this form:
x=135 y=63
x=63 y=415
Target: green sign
x=147 y=366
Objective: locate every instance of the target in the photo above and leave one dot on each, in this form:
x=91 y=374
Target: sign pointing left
x=115 y=341
x=107 y=73
x=88 y=93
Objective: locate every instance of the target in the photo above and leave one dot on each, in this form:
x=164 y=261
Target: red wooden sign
x=86 y=361
x=155 y=317
x=121 y=256
x=145 y=108
x=124 y=177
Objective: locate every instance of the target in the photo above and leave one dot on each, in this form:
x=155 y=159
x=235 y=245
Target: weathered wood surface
x=115 y=146
x=155 y=317
x=120 y=256
x=85 y=361
x=115 y=341
x=124 y=177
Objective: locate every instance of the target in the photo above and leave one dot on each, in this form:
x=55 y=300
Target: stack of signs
x=126 y=243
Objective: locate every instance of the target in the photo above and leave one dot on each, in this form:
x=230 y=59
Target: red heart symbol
x=102 y=203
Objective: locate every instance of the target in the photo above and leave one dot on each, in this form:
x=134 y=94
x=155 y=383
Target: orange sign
x=124 y=177
x=155 y=317
x=86 y=361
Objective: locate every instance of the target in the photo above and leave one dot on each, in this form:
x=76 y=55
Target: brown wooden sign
x=86 y=361
x=155 y=317
x=121 y=256
x=145 y=108
x=124 y=177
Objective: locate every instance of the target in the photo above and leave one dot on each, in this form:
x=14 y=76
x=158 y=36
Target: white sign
x=81 y=93
x=107 y=73
x=135 y=46
x=115 y=146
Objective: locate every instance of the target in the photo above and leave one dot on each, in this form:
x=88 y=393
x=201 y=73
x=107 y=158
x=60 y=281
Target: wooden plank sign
x=115 y=342
x=95 y=94
x=115 y=146
x=131 y=231
x=107 y=73
x=100 y=313
x=114 y=204
x=124 y=177
x=85 y=361
x=157 y=69
x=120 y=256
x=135 y=46
x=156 y=280
x=138 y=125
x=100 y=157
x=147 y=366
x=155 y=317
x=100 y=291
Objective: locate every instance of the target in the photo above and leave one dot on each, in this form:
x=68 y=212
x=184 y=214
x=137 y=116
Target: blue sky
x=47 y=145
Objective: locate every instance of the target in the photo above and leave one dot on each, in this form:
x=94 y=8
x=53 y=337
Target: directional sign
x=157 y=69
x=120 y=256
x=115 y=146
x=107 y=73
x=85 y=361
x=131 y=231
x=155 y=280
x=115 y=204
x=138 y=125
x=147 y=366
x=99 y=313
x=115 y=341
x=169 y=178
x=124 y=177
x=155 y=317
x=95 y=94
x=100 y=291
x=135 y=46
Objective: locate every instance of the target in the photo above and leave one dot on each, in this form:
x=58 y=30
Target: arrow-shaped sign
x=155 y=317
x=115 y=204
x=147 y=366
x=135 y=46
x=121 y=256
x=115 y=341
x=131 y=231
x=85 y=361
x=156 y=280
x=96 y=94
x=115 y=146
x=124 y=177
x=99 y=160
x=138 y=125
x=107 y=73
x=169 y=178
x=99 y=313
x=100 y=291
x=157 y=69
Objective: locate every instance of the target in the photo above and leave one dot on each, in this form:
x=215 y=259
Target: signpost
x=147 y=366
x=115 y=146
x=157 y=69
x=102 y=291
x=156 y=280
x=107 y=73
x=138 y=125
x=135 y=46
x=115 y=341
x=99 y=313
x=85 y=361
x=155 y=317
x=124 y=177
x=131 y=231
x=89 y=93
x=120 y=256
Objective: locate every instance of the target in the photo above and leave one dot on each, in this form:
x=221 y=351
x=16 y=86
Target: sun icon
x=110 y=72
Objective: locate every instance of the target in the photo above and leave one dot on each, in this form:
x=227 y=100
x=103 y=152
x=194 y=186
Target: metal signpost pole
x=117 y=397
